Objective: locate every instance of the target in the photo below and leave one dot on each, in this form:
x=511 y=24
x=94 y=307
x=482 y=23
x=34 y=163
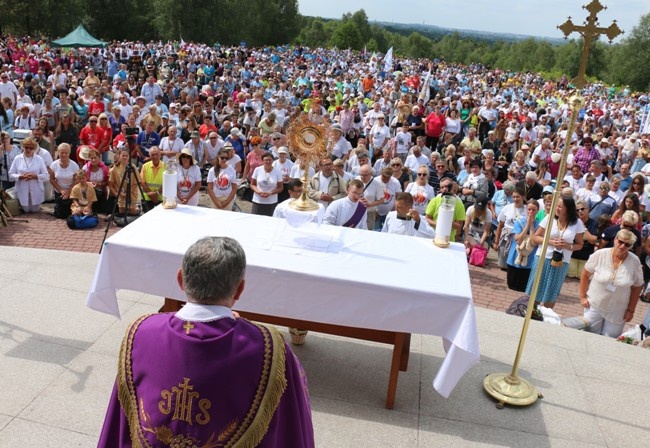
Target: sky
x=528 y=17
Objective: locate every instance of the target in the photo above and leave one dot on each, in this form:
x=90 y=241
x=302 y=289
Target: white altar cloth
x=327 y=274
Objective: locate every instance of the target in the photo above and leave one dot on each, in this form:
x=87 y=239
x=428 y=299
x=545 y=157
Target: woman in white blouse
x=610 y=285
x=29 y=172
x=62 y=173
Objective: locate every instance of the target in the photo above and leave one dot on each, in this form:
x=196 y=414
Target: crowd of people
x=404 y=133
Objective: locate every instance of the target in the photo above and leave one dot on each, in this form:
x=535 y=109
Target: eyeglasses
x=213 y=138
x=326 y=164
x=223 y=158
x=103 y=119
x=276 y=138
x=423 y=174
x=581 y=209
x=624 y=243
x=602 y=187
x=93 y=121
x=30 y=147
x=396 y=164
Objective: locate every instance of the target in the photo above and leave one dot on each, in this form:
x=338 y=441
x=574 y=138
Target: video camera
x=131 y=134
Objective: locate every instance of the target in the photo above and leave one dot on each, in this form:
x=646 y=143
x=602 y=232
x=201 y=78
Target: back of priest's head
x=213 y=269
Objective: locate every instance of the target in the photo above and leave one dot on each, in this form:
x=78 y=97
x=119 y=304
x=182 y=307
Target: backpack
x=82 y=222
x=520 y=306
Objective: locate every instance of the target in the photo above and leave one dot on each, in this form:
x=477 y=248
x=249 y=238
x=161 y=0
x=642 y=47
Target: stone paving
x=488 y=284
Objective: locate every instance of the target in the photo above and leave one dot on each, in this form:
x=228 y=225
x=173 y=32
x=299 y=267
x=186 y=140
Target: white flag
x=425 y=91
x=374 y=60
x=388 y=61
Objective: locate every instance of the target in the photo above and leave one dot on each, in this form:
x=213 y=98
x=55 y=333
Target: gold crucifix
x=510 y=388
x=589 y=31
x=188 y=326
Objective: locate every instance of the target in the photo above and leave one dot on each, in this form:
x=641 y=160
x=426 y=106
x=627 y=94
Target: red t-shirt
x=434 y=124
x=96 y=108
x=91 y=137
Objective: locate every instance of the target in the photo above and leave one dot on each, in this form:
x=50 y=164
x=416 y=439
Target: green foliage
x=118 y=19
x=40 y=17
x=630 y=65
x=271 y=22
x=347 y=35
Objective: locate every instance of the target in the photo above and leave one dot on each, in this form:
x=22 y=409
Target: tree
x=360 y=19
x=34 y=17
x=108 y=19
x=347 y=35
x=419 y=46
x=630 y=64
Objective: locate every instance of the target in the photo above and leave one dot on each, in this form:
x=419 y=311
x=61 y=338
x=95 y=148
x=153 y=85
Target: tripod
x=129 y=173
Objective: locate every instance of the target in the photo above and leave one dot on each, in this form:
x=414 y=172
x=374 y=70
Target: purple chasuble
x=223 y=383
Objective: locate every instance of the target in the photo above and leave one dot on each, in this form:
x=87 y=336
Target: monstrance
x=308 y=142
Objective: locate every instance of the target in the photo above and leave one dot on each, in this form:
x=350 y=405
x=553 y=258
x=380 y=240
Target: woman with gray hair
x=610 y=285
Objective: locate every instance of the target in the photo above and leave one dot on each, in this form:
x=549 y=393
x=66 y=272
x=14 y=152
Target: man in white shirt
x=150 y=90
x=8 y=88
x=404 y=220
x=171 y=145
x=211 y=147
x=348 y=211
x=390 y=187
x=373 y=193
x=402 y=143
x=415 y=160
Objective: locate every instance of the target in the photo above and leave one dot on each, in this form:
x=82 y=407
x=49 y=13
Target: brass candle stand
x=509 y=388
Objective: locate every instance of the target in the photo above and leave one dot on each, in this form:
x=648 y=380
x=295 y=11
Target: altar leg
x=406 y=350
x=401 y=340
x=171 y=306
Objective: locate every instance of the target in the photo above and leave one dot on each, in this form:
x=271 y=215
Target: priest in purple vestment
x=202 y=377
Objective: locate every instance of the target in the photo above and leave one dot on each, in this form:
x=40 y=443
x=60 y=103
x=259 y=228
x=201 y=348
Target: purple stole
x=222 y=383
x=355 y=219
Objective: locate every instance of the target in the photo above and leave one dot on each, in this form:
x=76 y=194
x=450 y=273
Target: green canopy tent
x=79 y=38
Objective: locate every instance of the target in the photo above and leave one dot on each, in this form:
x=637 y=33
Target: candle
x=169 y=189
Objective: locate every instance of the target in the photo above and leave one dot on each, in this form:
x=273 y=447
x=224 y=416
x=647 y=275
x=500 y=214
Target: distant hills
x=437 y=32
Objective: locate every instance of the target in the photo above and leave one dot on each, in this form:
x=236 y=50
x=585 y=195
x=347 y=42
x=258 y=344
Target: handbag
x=478 y=256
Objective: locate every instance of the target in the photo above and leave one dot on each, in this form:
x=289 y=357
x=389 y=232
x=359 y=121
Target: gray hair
x=508 y=187
x=212 y=268
x=626 y=236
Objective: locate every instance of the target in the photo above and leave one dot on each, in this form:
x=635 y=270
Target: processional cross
x=589 y=31
x=509 y=387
